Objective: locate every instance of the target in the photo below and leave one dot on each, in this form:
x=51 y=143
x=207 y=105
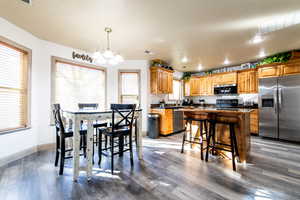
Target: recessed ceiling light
x=200 y=67
x=262 y=54
x=257 y=39
x=184 y=59
x=226 y=61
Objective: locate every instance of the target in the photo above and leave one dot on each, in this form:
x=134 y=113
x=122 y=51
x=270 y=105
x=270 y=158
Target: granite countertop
x=171 y=106
x=216 y=110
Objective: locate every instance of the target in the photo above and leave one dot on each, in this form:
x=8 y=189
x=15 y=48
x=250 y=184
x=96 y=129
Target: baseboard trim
x=17 y=156
x=24 y=153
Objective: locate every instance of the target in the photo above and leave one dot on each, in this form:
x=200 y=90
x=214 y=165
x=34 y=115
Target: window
x=13 y=88
x=177 y=91
x=74 y=83
x=129 y=87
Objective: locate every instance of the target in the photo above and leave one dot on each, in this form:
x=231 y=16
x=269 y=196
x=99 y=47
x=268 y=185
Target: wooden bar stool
x=201 y=119
x=213 y=120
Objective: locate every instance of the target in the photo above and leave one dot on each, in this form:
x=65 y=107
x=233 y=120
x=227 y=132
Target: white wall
x=41 y=132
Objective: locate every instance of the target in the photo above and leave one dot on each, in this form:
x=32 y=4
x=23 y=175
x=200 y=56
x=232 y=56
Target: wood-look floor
x=165 y=173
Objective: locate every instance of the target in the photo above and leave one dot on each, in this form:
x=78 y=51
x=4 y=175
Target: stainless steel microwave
x=225 y=89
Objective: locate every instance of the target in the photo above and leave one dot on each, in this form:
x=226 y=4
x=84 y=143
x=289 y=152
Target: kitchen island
x=242 y=130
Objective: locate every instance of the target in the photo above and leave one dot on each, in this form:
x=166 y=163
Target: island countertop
x=216 y=110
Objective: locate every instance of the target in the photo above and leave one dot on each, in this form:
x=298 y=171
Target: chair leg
x=84 y=137
x=121 y=145
x=57 y=152
x=232 y=148
x=62 y=155
x=211 y=126
x=105 y=141
x=100 y=147
x=130 y=149
x=191 y=133
x=201 y=136
x=183 y=141
x=235 y=142
x=112 y=153
x=214 y=140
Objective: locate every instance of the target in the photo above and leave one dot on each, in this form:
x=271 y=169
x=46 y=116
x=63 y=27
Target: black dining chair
x=123 y=116
x=61 y=135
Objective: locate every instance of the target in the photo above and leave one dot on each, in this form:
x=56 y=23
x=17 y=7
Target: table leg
x=90 y=133
x=76 y=144
x=139 y=136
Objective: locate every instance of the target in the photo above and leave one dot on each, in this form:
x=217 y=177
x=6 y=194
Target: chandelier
x=107 y=57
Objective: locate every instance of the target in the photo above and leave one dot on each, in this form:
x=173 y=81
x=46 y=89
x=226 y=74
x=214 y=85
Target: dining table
x=91 y=116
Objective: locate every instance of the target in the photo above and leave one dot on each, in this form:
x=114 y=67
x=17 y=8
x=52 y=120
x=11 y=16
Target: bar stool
x=202 y=122
x=213 y=120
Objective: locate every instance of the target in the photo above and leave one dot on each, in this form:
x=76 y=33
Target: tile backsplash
x=242 y=98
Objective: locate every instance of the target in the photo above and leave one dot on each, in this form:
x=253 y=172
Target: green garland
x=278 y=58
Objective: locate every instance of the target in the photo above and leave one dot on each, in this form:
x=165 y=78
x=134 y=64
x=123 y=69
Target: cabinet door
x=254 y=123
x=202 y=86
x=209 y=86
x=253 y=82
x=242 y=82
x=170 y=82
x=229 y=78
x=271 y=71
x=154 y=81
x=289 y=69
x=164 y=82
x=194 y=87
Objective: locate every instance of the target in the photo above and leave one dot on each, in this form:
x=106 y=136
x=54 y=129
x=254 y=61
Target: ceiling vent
x=27 y=1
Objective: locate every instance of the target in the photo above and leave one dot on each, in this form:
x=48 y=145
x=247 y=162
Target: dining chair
x=61 y=135
x=123 y=116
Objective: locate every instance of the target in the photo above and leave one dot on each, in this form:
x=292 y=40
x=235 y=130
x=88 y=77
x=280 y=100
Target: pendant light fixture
x=107 y=57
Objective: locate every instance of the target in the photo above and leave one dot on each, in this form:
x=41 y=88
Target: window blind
x=177 y=90
x=13 y=88
x=78 y=84
x=129 y=87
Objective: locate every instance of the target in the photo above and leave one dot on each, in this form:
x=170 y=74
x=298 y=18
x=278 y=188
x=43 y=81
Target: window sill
x=14 y=130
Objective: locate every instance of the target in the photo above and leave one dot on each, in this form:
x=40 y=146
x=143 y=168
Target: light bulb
x=184 y=60
x=108 y=54
x=119 y=58
x=96 y=55
x=113 y=61
x=226 y=61
x=101 y=60
x=257 y=39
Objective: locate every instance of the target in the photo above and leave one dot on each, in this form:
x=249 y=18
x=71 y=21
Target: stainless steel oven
x=225 y=89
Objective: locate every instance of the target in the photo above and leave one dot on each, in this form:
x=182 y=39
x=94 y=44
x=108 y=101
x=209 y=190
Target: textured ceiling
x=205 y=31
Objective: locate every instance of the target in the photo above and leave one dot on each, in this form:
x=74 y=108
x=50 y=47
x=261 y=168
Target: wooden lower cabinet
x=254 y=121
x=166 y=120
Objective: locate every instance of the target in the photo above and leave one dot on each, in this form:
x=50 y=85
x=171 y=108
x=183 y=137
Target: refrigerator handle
x=275 y=100
x=279 y=97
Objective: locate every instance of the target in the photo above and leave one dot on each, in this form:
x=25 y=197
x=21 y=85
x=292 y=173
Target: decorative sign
x=82 y=57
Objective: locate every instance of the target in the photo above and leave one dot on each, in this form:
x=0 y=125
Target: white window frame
x=120 y=71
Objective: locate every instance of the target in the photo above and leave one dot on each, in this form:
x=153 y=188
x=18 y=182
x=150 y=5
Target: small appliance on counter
x=162 y=103
x=202 y=102
x=187 y=102
x=225 y=89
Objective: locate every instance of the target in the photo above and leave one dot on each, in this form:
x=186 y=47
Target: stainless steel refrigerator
x=279 y=107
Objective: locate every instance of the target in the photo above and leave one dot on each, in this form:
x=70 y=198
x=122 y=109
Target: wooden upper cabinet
x=243 y=82
x=195 y=86
x=290 y=69
x=224 y=78
x=161 y=80
x=247 y=82
x=269 y=71
x=253 y=82
x=170 y=82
